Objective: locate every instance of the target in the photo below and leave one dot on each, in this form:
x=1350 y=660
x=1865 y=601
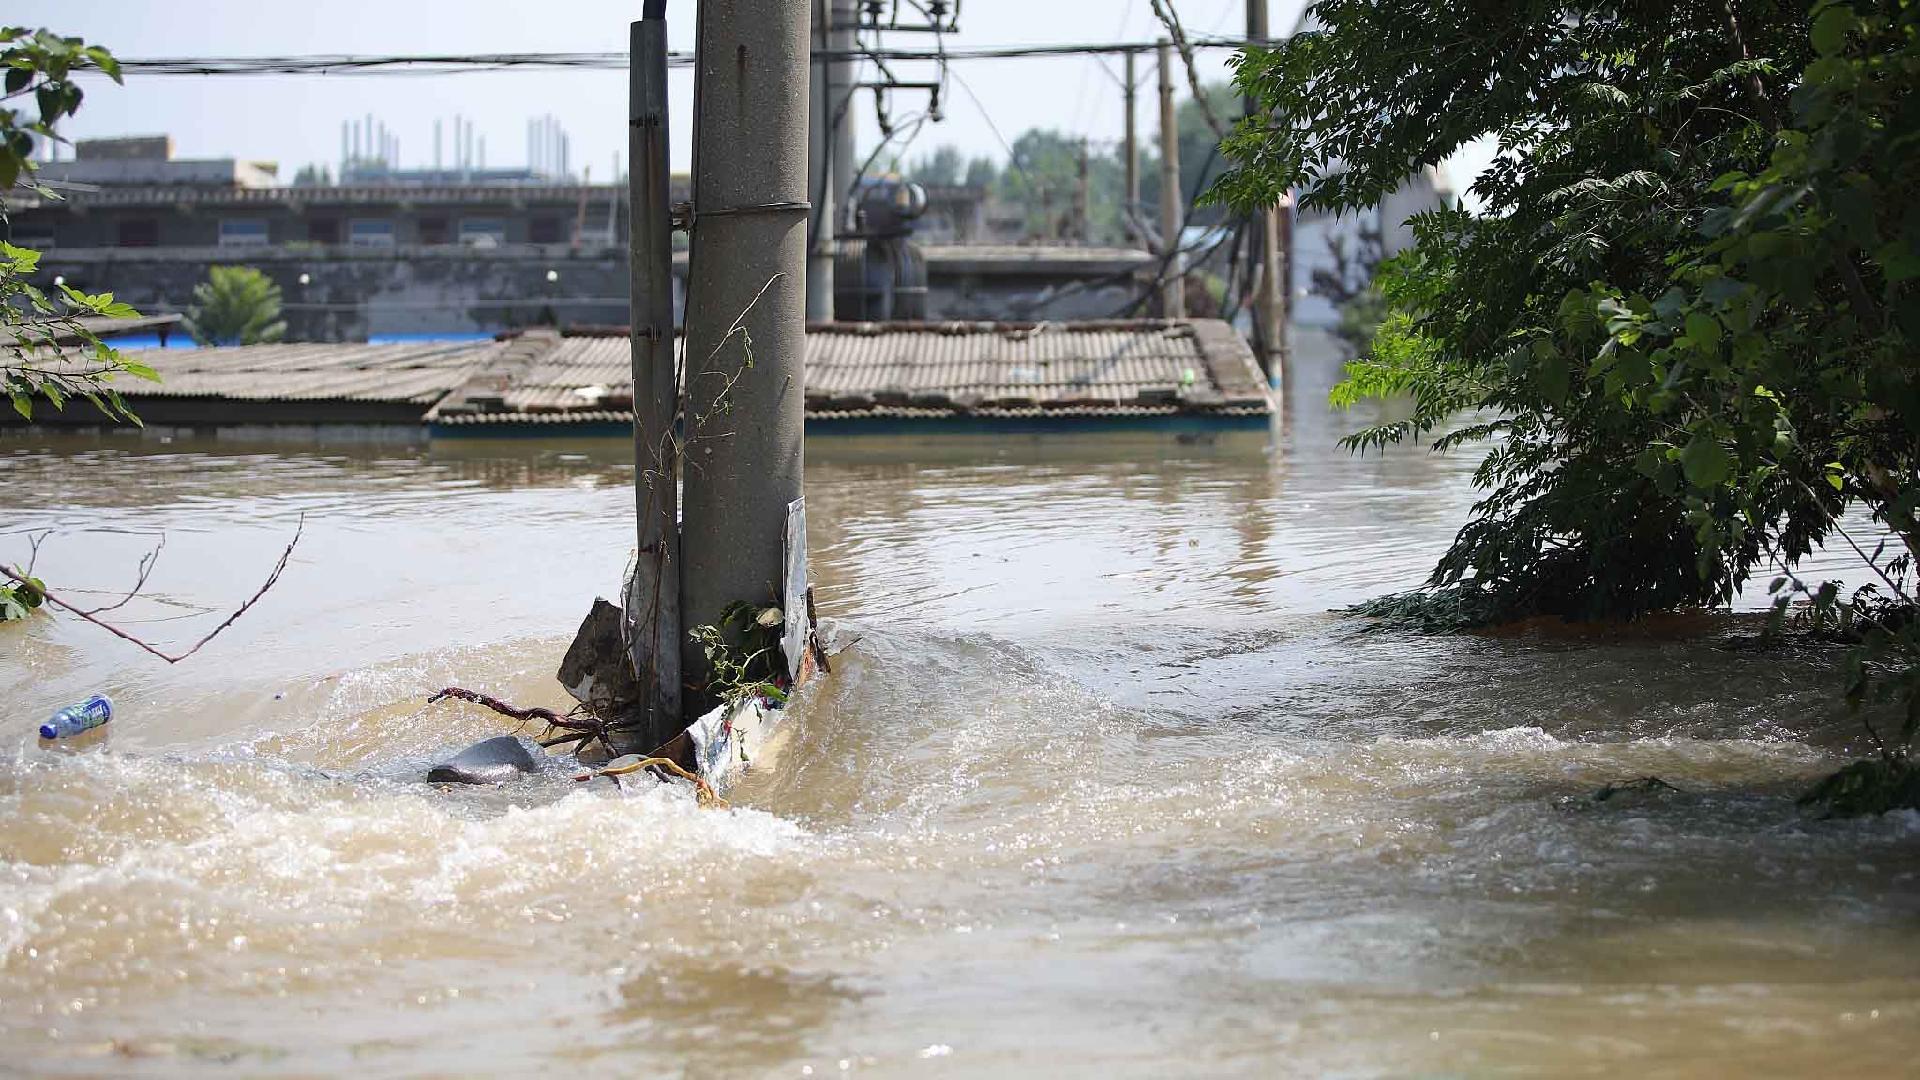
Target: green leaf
x=1900 y=262
x=1703 y=329
x=1706 y=463
x=1830 y=29
x=1726 y=180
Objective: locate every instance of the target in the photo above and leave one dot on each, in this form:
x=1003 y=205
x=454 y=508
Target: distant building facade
x=148 y=159
x=417 y=257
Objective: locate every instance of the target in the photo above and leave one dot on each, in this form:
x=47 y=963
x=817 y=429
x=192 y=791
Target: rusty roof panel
x=1064 y=369
x=420 y=372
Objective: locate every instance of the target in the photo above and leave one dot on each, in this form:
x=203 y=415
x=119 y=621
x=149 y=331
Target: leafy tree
x=1043 y=178
x=1613 y=123
x=236 y=305
x=1687 y=312
x=49 y=353
x=46 y=351
x=982 y=172
x=943 y=168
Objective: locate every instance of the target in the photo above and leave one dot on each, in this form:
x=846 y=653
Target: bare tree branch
x=146 y=567
x=22 y=577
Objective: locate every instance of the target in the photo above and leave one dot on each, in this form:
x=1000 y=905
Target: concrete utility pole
x=746 y=308
x=1270 y=303
x=1083 y=193
x=653 y=607
x=820 y=230
x=1132 y=144
x=1173 y=289
x=840 y=37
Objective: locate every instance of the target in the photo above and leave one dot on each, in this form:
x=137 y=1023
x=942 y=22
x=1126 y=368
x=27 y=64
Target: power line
x=465 y=63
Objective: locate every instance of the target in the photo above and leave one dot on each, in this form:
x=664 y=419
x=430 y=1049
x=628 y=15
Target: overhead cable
x=463 y=63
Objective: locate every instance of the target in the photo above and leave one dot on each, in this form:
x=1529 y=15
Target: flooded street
x=1102 y=788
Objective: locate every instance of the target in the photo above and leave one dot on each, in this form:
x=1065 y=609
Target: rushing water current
x=1102 y=788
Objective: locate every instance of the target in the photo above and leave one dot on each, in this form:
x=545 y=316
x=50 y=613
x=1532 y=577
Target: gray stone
x=490 y=761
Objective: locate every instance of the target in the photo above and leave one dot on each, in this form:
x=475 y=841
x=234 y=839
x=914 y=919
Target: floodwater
x=1100 y=789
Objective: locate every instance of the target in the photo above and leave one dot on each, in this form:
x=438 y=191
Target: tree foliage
x=1686 y=312
x=47 y=352
x=942 y=168
x=236 y=305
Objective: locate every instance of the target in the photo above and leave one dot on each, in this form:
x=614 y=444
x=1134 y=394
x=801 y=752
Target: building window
x=545 y=230
x=37 y=237
x=323 y=230
x=243 y=232
x=433 y=230
x=370 y=232
x=482 y=232
x=140 y=232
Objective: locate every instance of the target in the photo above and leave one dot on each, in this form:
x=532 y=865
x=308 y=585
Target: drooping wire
x=465 y=63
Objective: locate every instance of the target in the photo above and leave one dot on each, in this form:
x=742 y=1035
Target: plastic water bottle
x=75 y=719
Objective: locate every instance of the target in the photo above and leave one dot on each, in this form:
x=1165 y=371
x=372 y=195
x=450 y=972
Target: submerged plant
x=743 y=653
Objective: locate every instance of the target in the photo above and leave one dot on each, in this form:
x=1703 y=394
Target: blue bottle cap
x=48 y=731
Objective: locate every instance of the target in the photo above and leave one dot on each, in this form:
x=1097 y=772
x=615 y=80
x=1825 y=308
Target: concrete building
x=495 y=253
x=148 y=159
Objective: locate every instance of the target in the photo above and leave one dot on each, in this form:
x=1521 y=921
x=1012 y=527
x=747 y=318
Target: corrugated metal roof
x=1143 y=368
x=419 y=373
x=913 y=369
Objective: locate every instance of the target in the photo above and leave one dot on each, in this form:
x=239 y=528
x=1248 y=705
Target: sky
x=296 y=119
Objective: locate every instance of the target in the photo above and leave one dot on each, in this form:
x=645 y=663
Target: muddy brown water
x=1102 y=789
